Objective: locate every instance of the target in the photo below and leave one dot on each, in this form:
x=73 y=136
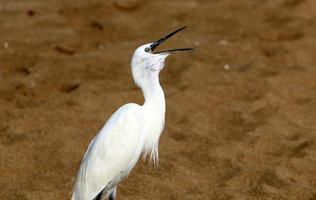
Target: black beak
x=155 y=44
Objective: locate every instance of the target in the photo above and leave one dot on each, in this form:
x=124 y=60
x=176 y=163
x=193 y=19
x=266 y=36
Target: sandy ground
x=241 y=110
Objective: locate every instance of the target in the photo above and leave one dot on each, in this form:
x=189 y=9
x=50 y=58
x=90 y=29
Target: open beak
x=155 y=44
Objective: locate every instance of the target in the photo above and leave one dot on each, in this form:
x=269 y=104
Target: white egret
x=132 y=130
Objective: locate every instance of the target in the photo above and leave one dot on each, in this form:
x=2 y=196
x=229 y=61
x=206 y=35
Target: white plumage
x=130 y=131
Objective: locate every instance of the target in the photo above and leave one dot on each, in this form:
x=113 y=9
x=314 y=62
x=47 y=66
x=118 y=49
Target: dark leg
x=111 y=197
x=99 y=196
x=113 y=194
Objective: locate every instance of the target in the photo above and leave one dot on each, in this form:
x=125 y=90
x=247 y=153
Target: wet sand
x=241 y=109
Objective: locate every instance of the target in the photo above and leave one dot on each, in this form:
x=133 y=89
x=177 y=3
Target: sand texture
x=241 y=109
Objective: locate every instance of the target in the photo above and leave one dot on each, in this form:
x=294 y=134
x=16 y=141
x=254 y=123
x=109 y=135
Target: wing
x=111 y=154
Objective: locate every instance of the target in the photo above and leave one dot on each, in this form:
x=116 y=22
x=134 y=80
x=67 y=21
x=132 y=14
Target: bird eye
x=147 y=49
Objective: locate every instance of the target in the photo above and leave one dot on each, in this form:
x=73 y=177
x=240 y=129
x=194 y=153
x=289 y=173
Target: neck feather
x=153 y=92
x=155 y=107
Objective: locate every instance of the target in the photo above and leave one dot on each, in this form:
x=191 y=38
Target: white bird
x=132 y=130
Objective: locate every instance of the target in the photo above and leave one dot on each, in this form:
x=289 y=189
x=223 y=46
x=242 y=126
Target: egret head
x=146 y=63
